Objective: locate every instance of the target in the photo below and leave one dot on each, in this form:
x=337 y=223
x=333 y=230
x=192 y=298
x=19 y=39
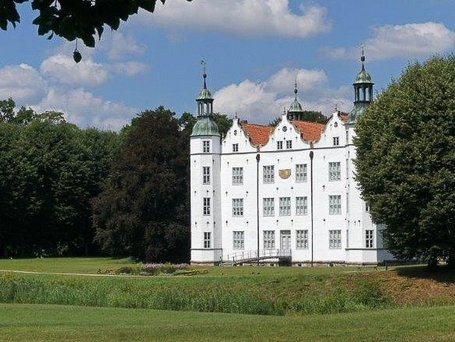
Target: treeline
x=71 y=191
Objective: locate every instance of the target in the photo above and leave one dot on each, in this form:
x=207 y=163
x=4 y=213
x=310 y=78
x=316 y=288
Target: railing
x=247 y=256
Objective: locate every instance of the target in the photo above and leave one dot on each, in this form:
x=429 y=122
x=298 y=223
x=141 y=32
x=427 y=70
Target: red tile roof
x=309 y=131
x=258 y=134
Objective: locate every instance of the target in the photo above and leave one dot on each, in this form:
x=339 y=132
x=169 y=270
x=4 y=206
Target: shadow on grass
x=441 y=274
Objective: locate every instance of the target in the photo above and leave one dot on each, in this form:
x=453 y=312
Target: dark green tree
x=187 y=121
x=73 y=19
x=307 y=115
x=143 y=209
x=406 y=161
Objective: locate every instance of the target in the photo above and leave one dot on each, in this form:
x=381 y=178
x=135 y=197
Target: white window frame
x=288 y=144
x=206 y=209
x=206 y=175
x=336 y=141
x=285 y=206
x=335 y=239
x=301 y=241
x=268 y=174
x=334 y=171
x=301 y=172
x=238 y=239
x=237 y=207
x=301 y=205
x=369 y=238
x=207 y=239
x=235 y=147
x=206 y=146
x=279 y=145
x=268 y=206
x=237 y=176
x=334 y=204
x=269 y=239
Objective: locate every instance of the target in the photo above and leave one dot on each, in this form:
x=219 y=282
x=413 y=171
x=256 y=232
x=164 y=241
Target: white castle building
x=284 y=191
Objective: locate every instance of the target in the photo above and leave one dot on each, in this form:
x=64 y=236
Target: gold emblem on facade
x=285 y=173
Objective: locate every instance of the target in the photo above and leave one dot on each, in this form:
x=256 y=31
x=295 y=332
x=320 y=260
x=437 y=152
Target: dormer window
x=336 y=141
x=279 y=145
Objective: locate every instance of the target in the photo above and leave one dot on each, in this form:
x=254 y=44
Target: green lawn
x=57 y=323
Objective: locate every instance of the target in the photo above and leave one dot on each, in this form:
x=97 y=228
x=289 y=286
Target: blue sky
x=254 y=51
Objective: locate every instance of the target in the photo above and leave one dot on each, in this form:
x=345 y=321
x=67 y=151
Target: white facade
x=340 y=229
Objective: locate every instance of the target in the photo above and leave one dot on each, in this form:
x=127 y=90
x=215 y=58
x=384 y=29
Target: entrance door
x=285 y=239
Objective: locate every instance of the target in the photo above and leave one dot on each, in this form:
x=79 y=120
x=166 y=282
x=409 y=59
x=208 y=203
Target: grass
x=58 y=323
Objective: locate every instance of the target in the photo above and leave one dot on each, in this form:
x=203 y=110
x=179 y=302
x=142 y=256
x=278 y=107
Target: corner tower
x=363 y=92
x=205 y=150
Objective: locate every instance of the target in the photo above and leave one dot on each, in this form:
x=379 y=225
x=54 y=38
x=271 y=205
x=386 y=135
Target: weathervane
x=204 y=75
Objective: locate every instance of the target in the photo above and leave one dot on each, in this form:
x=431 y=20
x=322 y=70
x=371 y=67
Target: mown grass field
x=357 y=303
x=24 y=322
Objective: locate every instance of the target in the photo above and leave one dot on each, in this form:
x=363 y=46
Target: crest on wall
x=285 y=173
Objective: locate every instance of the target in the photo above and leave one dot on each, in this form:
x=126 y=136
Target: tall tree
x=406 y=161
x=76 y=18
x=142 y=210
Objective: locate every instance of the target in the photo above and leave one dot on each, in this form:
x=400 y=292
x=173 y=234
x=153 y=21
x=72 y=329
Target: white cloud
x=410 y=40
x=261 y=102
x=84 y=109
x=119 y=46
x=130 y=68
x=63 y=69
x=243 y=17
x=21 y=82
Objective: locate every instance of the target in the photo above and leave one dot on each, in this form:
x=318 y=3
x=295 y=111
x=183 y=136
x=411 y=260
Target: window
x=285 y=206
x=301 y=205
x=207 y=239
x=269 y=239
x=235 y=147
x=334 y=171
x=289 y=144
x=268 y=205
x=237 y=207
x=336 y=141
x=335 y=239
x=237 y=175
x=300 y=172
x=302 y=239
x=206 y=175
x=206 y=146
x=367 y=207
x=269 y=174
x=335 y=205
x=206 y=206
x=279 y=145
x=368 y=238
x=239 y=239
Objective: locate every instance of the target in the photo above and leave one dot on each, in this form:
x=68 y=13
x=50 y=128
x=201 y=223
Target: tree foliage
x=307 y=115
x=406 y=161
x=71 y=19
x=49 y=172
x=143 y=209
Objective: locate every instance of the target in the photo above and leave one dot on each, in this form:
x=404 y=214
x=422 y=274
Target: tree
x=307 y=115
x=187 y=121
x=406 y=161
x=73 y=19
x=143 y=209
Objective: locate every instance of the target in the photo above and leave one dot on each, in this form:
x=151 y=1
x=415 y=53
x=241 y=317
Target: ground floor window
x=368 y=238
x=269 y=239
x=239 y=239
x=334 y=239
x=207 y=239
x=302 y=239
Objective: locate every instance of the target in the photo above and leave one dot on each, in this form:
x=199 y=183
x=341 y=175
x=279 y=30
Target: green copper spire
x=295 y=109
x=363 y=91
x=205 y=125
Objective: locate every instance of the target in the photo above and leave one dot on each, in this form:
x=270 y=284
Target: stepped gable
x=309 y=131
x=258 y=134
